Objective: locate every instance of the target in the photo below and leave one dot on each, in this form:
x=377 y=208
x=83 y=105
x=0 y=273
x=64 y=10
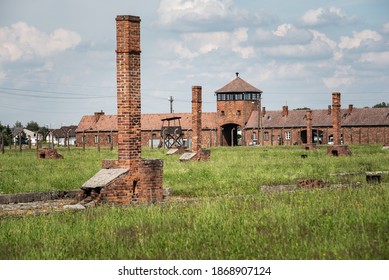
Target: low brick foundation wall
x=49 y=154
x=338 y=150
x=143 y=187
x=37 y=196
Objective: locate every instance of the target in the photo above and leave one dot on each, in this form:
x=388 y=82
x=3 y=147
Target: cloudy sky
x=57 y=58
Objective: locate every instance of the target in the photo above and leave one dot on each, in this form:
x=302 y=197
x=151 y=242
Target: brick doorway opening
x=230 y=134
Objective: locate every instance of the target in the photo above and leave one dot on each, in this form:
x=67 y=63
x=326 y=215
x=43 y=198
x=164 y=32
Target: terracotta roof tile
x=238 y=85
x=149 y=121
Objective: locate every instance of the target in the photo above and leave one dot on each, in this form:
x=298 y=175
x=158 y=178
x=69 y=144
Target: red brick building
x=241 y=120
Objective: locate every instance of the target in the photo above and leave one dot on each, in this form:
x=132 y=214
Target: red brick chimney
x=263 y=111
x=128 y=91
x=337 y=149
x=196 y=119
x=336 y=117
x=329 y=110
x=285 y=111
x=130 y=179
x=350 y=109
x=309 y=127
x=98 y=115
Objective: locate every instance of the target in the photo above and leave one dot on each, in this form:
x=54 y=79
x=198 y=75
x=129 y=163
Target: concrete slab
x=74 y=207
x=103 y=177
x=172 y=151
x=187 y=156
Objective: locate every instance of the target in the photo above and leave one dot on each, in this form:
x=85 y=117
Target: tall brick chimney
x=197 y=153
x=129 y=179
x=309 y=127
x=128 y=91
x=336 y=117
x=196 y=119
x=337 y=149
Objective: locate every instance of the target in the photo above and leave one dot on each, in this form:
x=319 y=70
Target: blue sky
x=57 y=58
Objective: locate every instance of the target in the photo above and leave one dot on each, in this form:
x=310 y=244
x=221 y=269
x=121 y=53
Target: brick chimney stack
x=128 y=91
x=196 y=118
x=336 y=117
x=130 y=179
x=350 y=108
x=263 y=111
x=309 y=127
x=329 y=110
x=285 y=111
x=98 y=115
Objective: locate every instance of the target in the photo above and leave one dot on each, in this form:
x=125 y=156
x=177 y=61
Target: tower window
x=238 y=113
x=222 y=113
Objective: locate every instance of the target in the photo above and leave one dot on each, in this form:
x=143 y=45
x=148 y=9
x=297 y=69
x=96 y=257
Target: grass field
x=228 y=217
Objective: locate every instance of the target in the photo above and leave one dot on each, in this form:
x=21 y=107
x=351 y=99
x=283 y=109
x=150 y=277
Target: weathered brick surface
x=196 y=118
x=336 y=118
x=49 y=154
x=309 y=127
x=128 y=91
x=142 y=183
x=338 y=150
x=233 y=112
x=143 y=187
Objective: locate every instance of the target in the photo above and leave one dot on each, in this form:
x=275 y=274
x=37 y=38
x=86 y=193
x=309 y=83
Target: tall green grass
x=232 y=171
x=227 y=216
x=320 y=224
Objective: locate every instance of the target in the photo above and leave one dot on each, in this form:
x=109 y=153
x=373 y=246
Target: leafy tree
x=23 y=138
x=33 y=126
x=18 y=124
x=382 y=105
x=44 y=131
x=7 y=134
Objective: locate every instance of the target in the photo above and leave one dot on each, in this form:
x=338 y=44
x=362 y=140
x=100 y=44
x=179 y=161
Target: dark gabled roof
x=64 y=131
x=321 y=118
x=238 y=85
x=16 y=131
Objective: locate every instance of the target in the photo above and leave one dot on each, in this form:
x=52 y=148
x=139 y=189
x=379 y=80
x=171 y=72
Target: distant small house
x=66 y=135
x=26 y=134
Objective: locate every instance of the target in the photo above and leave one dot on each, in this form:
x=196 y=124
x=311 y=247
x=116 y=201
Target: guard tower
x=171 y=133
x=235 y=103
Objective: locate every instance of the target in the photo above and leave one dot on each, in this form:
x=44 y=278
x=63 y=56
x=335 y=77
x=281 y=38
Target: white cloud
x=282 y=30
x=358 y=39
x=342 y=77
x=21 y=41
x=385 y=28
x=377 y=58
x=325 y=16
x=195 y=44
x=318 y=46
x=172 y=10
x=195 y=15
x=284 y=34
